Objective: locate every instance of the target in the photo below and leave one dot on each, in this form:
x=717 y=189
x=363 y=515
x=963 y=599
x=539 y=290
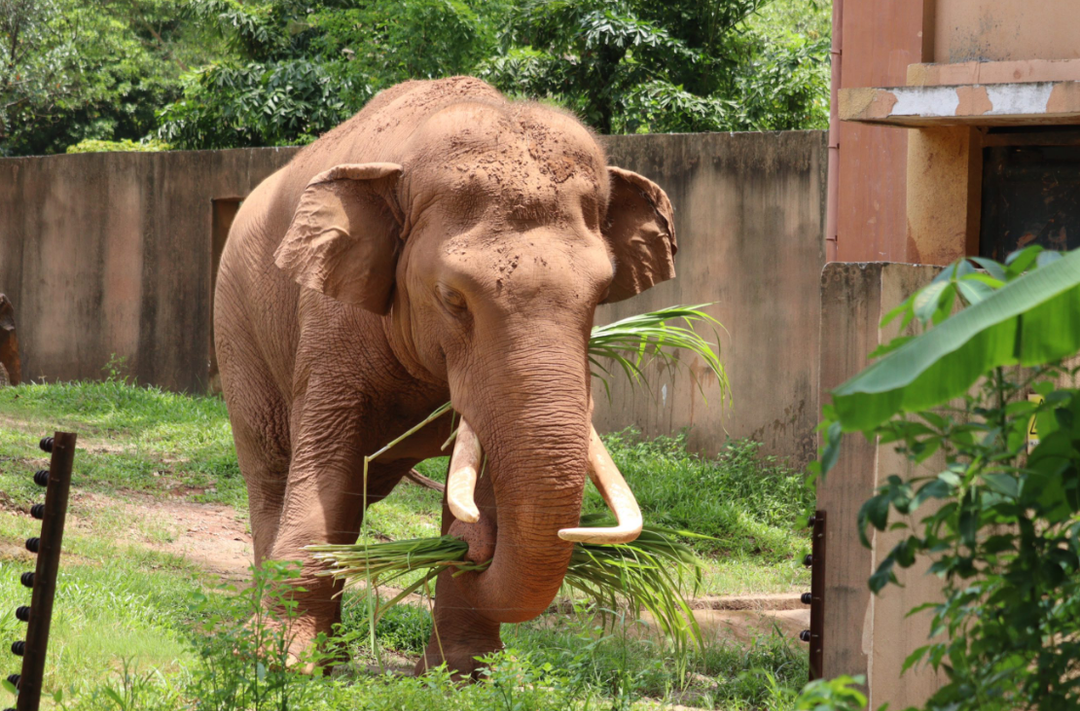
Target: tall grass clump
x=746 y=503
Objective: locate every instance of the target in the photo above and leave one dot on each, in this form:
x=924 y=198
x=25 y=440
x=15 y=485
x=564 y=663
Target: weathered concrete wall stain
x=1025 y=102
x=998 y=30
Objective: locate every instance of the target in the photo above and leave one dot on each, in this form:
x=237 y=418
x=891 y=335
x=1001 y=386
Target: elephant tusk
x=461 y=479
x=616 y=493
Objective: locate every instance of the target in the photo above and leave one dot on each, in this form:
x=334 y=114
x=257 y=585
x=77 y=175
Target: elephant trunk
x=535 y=446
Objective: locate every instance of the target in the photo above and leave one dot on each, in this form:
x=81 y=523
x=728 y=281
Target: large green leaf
x=1033 y=320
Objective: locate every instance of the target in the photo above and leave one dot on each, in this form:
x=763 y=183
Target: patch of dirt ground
x=213 y=537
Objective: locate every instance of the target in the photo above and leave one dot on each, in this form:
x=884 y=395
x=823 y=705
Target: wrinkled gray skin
x=442 y=244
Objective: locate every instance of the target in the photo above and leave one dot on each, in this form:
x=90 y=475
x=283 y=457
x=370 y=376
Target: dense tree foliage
x=296 y=68
x=223 y=73
x=684 y=65
x=73 y=70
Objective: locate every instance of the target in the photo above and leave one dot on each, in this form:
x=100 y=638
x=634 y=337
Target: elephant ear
x=640 y=227
x=344 y=237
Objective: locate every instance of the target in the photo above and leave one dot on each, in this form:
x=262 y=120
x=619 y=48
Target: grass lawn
x=129 y=614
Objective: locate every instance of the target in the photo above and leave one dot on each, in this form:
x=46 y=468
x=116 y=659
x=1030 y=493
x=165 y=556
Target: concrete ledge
x=1018 y=103
x=1023 y=71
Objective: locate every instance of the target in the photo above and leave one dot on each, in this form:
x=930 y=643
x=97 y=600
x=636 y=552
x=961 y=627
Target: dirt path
x=213 y=537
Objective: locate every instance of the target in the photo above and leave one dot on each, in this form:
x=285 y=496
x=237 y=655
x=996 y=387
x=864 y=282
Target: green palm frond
x=632 y=342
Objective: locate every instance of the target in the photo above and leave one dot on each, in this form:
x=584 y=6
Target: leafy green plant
x=1004 y=531
x=244 y=646
x=116 y=370
x=836 y=694
x=1035 y=321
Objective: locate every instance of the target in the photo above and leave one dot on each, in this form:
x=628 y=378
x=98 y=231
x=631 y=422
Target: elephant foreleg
x=461 y=633
x=324 y=503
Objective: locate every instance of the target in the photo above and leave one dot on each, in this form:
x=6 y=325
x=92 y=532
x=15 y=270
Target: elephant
x=445 y=244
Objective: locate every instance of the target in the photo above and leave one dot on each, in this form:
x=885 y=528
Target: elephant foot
x=460 y=657
x=301 y=645
x=460 y=636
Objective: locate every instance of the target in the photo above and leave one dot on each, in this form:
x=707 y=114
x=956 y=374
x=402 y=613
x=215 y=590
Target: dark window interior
x=1031 y=195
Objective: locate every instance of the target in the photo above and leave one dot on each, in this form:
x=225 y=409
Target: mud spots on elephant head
x=559 y=144
x=506 y=260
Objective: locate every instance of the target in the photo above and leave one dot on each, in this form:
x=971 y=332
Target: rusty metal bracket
x=57 y=483
x=816 y=597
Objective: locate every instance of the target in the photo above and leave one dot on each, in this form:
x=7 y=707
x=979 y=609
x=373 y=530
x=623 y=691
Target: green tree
x=631 y=66
x=75 y=70
x=94 y=74
x=37 y=58
x=296 y=69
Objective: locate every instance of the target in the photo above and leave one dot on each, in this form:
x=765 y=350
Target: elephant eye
x=453 y=300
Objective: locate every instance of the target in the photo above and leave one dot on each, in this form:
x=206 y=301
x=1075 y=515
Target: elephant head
x=486 y=248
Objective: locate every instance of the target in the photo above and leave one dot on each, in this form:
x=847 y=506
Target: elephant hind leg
x=260 y=423
x=265 y=474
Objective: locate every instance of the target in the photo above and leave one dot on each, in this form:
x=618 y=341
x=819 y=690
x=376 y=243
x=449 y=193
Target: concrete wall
x=750 y=215
x=110 y=253
x=114 y=253
x=867 y=634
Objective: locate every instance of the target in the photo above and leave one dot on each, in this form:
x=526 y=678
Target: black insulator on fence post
x=41 y=477
x=13 y=679
x=22 y=612
x=805 y=635
x=807 y=598
x=808 y=561
x=46 y=444
x=17 y=648
x=38 y=511
x=27 y=579
x=32 y=544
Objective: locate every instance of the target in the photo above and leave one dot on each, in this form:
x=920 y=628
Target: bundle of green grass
x=654 y=572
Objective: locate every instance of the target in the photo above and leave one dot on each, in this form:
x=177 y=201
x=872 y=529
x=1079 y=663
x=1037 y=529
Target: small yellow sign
x=1033 y=434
